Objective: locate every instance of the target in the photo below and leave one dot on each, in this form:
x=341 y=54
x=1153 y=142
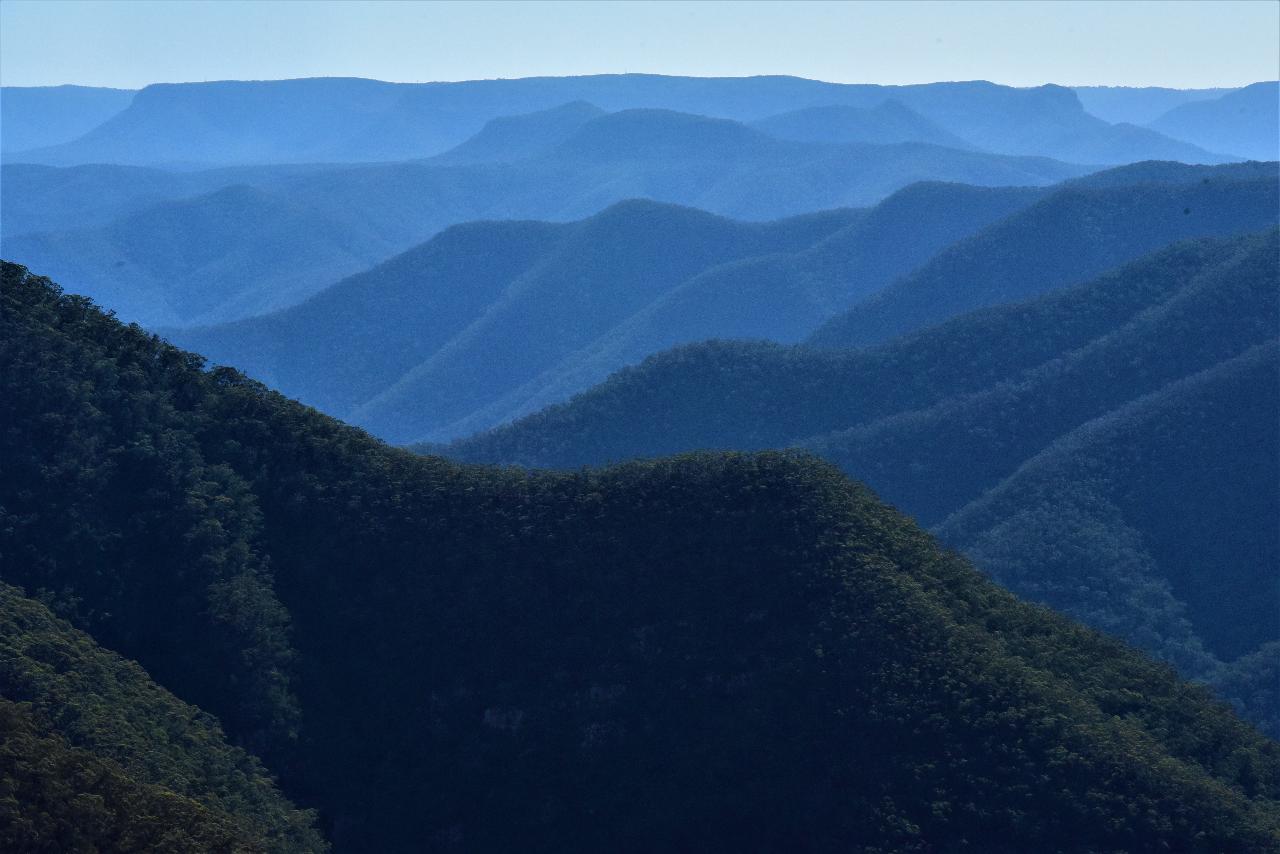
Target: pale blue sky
x=130 y=44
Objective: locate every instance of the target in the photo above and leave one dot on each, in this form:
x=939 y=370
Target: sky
x=129 y=44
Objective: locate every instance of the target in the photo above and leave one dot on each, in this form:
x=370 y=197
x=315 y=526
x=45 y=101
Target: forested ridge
x=1079 y=232
x=713 y=651
x=934 y=420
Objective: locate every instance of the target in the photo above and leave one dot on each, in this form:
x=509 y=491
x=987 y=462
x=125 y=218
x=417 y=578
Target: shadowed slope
x=713 y=652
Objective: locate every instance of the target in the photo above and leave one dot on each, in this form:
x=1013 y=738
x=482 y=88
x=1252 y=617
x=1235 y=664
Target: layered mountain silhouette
x=1139 y=105
x=236 y=251
x=884 y=124
x=41 y=116
x=511 y=138
x=353 y=120
x=1245 y=122
x=305 y=228
x=936 y=420
x=1074 y=234
x=720 y=652
x=469 y=329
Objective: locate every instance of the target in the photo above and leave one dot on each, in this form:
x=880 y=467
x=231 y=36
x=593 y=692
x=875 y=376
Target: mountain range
x=308 y=227
x=636 y=278
x=408 y=352
x=1246 y=122
x=354 y=120
x=724 y=464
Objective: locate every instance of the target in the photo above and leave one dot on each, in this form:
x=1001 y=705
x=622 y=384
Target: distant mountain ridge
x=40 y=116
x=1139 y=105
x=1245 y=122
x=354 y=120
x=511 y=138
x=884 y=124
x=326 y=223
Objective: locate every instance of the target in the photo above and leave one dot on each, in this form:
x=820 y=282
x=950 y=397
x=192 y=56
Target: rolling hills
x=418 y=350
x=233 y=252
x=308 y=227
x=721 y=652
x=884 y=124
x=98 y=757
x=400 y=349
x=1075 y=234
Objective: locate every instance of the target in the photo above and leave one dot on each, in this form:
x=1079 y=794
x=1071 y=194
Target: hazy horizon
x=1191 y=45
x=1067 y=85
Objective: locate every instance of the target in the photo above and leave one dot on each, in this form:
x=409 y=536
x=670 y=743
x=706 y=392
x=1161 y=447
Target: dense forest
x=712 y=651
x=934 y=420
x=636 y=462
x=97 y=757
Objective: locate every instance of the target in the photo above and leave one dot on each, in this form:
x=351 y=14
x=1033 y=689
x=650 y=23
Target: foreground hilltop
x=721 y=652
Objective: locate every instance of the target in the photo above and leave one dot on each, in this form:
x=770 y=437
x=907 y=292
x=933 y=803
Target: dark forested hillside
x=713 y=652
x=1178 y=487
x=1068 y=237
x=97 y=757
x=933 y=420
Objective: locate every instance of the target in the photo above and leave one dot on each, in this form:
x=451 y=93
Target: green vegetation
x=1179 y=488
x=97 y=757
x=713 y=652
